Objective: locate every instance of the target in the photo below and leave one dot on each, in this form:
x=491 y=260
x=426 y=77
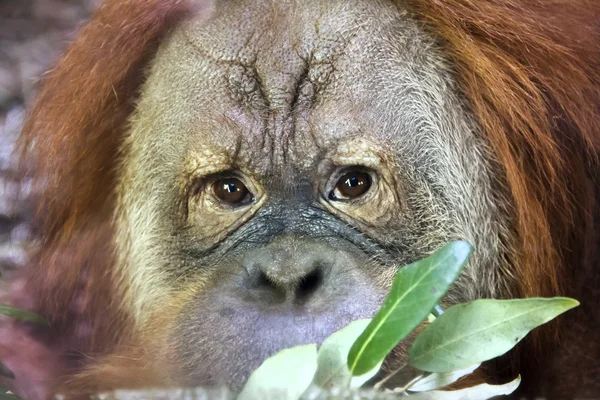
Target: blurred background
x=33 y=34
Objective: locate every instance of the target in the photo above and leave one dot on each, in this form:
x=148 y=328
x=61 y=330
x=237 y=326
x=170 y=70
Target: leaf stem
x=378 y=385
x=412 y=383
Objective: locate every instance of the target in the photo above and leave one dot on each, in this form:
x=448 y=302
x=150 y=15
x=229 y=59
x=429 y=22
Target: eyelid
x=207 y=180
x=365 y=161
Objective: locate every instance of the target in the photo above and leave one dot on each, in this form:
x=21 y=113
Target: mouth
x=244 y=334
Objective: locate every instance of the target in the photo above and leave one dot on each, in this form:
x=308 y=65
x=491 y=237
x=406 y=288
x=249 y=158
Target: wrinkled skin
x=288 y=96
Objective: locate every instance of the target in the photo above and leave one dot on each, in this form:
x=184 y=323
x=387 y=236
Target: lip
x=244 y=333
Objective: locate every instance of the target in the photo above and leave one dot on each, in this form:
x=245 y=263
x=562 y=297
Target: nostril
x=309 y=284
x=263 y=281
x=266 y=289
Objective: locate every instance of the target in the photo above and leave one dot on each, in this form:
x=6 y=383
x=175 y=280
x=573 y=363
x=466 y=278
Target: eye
x=232 y=191
x=351 y=185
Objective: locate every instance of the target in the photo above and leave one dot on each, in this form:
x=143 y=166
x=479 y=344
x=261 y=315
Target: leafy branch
x=452 y=346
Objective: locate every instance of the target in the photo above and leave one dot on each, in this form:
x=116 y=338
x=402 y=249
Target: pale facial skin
x=284 y=160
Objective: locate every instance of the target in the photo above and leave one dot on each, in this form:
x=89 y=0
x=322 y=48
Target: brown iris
x=231 y=191
x=351 y=185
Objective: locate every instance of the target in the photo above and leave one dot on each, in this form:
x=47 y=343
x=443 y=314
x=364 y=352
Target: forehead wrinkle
x=193 y=35
x=358 y=149
x=323 y=50
x=229 y=142
x=206 y=160
x=327 y=47
x=215 y=151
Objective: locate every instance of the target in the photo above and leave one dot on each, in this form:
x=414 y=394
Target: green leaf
x=284 y=376
x=6 y=372
x=6 y=394
x=439 y=380
x=332 y=369
x=479 y=392
x=9 y=396
x=22 y=315
x=415 y=291
x=471 y=333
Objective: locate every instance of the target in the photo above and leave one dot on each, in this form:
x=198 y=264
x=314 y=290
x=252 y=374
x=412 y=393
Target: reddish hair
x=529 y=71
x=72 y=135
x=76 y=123
x=74 y=131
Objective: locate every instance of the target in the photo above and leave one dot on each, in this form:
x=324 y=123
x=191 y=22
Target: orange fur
x=529 y=69
x=73 y=132
x=531 y=72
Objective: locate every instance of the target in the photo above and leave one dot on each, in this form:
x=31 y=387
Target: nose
x=289 y=269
